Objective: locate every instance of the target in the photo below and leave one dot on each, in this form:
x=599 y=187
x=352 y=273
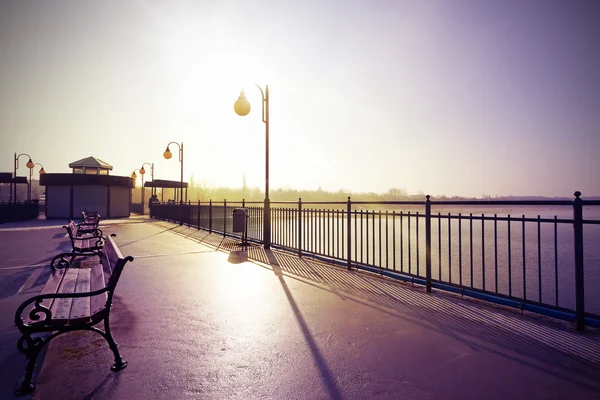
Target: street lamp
x=42 y=172
x=167 y=154
x=242 y=108
x=134 y=177
x=29 y=165
x=143 y=171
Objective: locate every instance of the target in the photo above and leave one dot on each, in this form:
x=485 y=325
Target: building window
x=77 y=170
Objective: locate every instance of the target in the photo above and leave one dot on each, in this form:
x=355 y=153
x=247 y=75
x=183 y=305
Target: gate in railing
x=533 y=262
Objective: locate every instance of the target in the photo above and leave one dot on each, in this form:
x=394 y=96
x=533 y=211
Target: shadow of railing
x=539 y=342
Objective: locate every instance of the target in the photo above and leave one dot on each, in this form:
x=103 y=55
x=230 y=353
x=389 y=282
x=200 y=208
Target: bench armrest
x=42 y=314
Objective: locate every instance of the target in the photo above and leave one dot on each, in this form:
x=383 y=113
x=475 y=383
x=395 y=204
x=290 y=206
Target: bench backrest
x=112 y=263
x=71 y=229
x=90 y=219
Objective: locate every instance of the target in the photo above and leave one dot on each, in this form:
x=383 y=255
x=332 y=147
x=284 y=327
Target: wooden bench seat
x=74 y=298
x=88 y=276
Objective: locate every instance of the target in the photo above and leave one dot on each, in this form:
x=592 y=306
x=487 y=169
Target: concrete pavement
x=199 y=317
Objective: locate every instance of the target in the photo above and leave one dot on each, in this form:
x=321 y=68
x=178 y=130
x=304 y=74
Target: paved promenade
x=199 y=317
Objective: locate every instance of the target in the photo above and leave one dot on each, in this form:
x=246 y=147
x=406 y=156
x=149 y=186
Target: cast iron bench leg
x=119 y=362
x=31 y=348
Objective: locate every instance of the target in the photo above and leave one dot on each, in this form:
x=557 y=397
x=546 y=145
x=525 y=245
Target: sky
x=453 y=97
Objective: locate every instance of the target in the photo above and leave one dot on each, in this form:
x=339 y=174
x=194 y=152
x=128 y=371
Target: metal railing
x=20 y=211
x=534 y=263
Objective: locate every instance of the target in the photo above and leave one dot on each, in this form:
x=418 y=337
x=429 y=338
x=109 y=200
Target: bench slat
x=51 y=286
x=61 y=308
x=97 y=281
x=80 y=310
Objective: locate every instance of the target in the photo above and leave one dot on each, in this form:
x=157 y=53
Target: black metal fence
x=475 y=248
x=20 y=211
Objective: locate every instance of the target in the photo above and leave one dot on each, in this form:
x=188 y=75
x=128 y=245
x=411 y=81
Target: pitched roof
x=90 y=162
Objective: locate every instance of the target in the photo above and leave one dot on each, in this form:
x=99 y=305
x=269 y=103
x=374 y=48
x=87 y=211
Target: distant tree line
x=203 y=193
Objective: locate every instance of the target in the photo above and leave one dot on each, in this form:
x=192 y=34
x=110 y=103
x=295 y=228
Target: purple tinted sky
x=440 y=97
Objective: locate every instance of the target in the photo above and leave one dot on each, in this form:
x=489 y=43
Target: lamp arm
x=170 y=143
x=264 y=100
x=17 y=159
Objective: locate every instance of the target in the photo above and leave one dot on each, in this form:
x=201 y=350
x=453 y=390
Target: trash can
x=240 y=216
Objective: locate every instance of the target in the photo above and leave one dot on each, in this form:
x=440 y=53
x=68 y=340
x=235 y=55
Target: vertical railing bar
x=460 y=249
x=401 y=241
x=349 y=236
x=483 y=252
x=449 y=249
x=379 y=239
x=496 y=252
x=539 y=248
x=439 y=246
x=224 y=217
x=367 y=237
x=299 y=241
x=286 y=226
x=328 y=216
x=409 y=247
x=387 y=248
x=579 y=260
x=337 y=240
x=373 y=239
x=361 y=236
x=509 y=258
x=355 y=237
x=394 y=239
x=427 y=243
x=417 y=250
x=556 y=261
x=341 y=234
x=524 y=266
x=210 y=218
x=471 y=244
x=319 y=232
x=311 y=233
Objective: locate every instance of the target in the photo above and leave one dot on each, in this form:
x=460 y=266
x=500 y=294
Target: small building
x=89 y=187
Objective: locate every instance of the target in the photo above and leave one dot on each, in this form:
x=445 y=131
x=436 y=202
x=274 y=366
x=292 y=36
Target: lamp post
x=42 y=172
x=167 y=154
x=134 y=177
x=143 y=171
x=242 y=108
x=29 y=165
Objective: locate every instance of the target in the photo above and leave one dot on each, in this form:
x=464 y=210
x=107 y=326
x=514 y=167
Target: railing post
x=427 y=244
x=349 y=234
x=224 y=217
x=199 y=214
x=210 y=216
x=579 y=277
x=189 y=214
x=299 y=227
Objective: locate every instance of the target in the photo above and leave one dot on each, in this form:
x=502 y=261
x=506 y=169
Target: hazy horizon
x=461 y=98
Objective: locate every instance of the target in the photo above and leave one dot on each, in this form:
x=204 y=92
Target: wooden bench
x=74 y=298
x=84 y=245
x=89 y=224
x=89 y=214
